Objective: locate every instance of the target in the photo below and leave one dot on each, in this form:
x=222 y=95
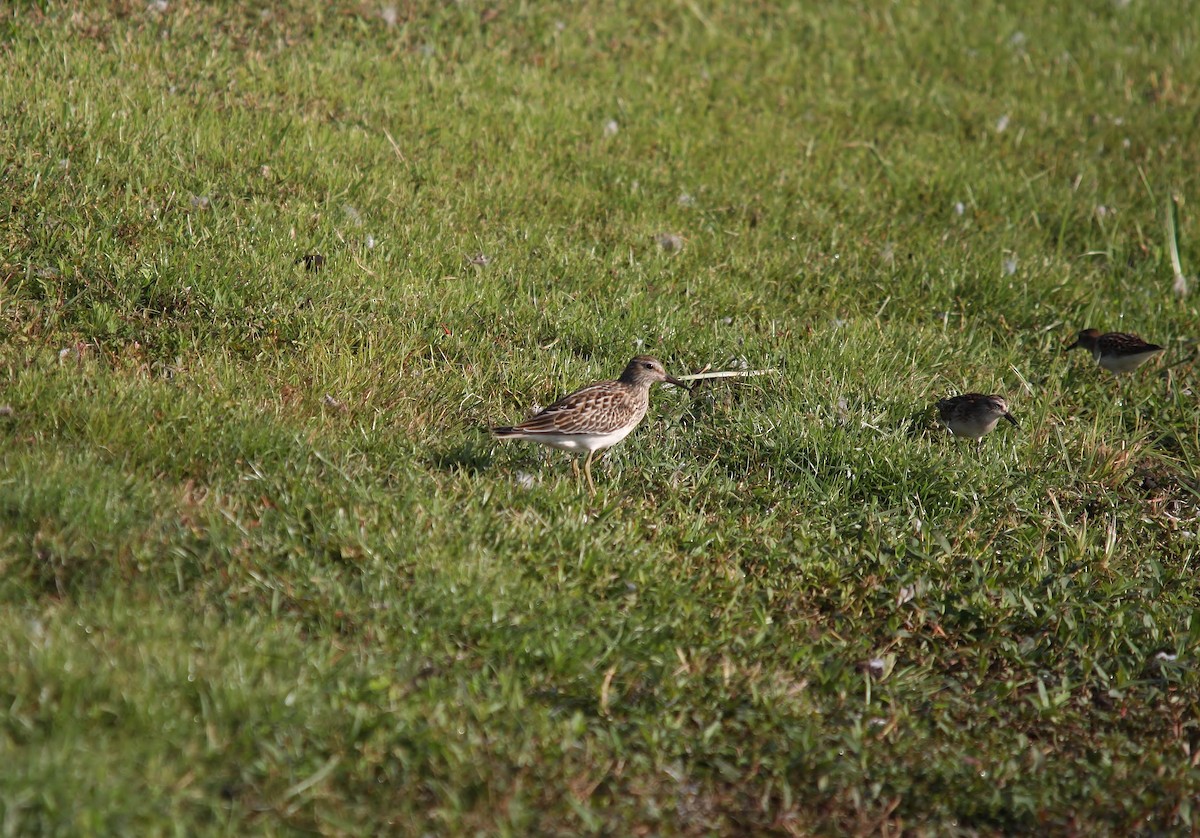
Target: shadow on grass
x=470 y=456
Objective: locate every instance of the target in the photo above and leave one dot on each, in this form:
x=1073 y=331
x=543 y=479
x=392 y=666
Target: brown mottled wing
x=958 y=406
x=598 y=409
x=1119 y=343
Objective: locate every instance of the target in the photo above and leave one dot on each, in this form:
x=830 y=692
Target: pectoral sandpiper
x=596 y=417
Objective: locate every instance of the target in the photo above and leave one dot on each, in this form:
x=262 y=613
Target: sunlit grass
x=265 y=571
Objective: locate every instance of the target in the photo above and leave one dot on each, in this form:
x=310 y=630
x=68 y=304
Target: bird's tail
x=504 y=432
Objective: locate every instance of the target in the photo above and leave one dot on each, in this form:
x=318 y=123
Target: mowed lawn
x=263 y=570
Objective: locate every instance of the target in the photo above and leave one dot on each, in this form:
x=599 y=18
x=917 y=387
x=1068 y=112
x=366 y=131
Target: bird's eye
x=649 y=366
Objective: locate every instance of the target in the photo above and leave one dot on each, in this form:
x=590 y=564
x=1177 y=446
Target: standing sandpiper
x=596 y=417
x=973 y=414
x=1117 y=352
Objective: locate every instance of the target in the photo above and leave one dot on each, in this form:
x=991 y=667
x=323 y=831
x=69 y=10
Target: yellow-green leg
x=587 y=470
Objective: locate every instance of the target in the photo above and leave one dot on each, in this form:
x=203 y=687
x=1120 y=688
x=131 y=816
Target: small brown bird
x=1117 y=352
x=973 y=414
x=596 y=417
x=313 y=262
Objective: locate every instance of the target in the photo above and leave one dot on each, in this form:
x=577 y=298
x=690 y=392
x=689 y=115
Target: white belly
x=972 y=428
x=582 y=442
x=1124 y=363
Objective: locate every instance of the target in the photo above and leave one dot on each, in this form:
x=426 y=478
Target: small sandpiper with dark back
x=973 y=415
x=1116 y=352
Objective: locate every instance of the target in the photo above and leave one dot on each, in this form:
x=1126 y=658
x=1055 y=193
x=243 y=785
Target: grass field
x=262 y=571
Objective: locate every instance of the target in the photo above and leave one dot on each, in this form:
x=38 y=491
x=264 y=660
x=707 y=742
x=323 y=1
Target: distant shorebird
x=973 y=415
x=1117 y=352
x=596 y=417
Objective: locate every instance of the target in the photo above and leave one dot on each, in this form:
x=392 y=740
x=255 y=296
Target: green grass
x=262 y=570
